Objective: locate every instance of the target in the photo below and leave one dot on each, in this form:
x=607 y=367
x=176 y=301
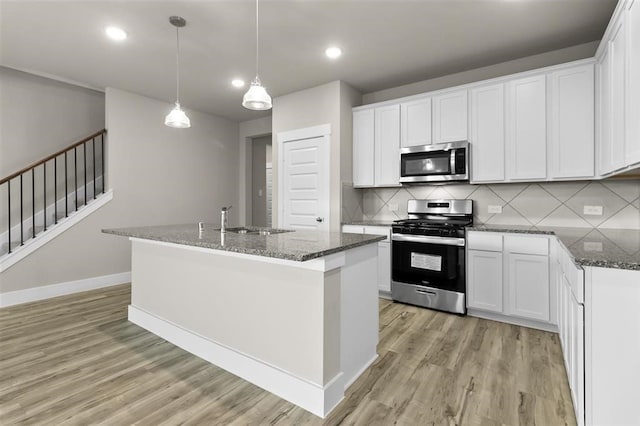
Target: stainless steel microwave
x=447 y=162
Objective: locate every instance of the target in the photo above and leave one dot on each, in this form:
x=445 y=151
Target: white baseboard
x=512 y=320
x=315 y=398
x=54 y=290
x=362 y=370
x=41 y=239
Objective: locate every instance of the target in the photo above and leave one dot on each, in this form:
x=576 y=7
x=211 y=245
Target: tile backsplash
x=535 y=204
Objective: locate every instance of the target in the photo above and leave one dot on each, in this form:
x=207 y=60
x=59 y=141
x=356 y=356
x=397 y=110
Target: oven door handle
x=460 y=242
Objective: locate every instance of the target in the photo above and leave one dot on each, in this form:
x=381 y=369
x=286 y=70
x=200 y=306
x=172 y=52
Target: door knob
x=319 y=219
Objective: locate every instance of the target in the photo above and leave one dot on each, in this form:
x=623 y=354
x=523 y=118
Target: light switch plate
x=494 y=209
x=593 y=210
x=393 y=207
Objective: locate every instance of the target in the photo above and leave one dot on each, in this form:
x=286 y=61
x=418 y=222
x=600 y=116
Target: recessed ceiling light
x=236 y=82
x=115 y=33
x=333 y=52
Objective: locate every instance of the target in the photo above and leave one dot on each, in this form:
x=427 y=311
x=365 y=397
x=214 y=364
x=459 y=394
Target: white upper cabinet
x=363 y=147
x=450 y=117
x=387 y=146
x=617 y=53
x=415 y=117
x=527 y=129
x=632 y=139
x=486 y=135
x=604 y=113
x=571 y=142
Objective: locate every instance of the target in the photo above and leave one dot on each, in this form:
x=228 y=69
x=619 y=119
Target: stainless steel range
x=428 y=254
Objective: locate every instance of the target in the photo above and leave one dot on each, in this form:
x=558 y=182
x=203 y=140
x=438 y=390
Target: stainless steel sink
x=256 y=231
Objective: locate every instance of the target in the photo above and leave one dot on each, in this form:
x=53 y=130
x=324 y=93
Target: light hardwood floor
x=76 y=360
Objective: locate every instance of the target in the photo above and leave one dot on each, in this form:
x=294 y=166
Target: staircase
x=36 y=201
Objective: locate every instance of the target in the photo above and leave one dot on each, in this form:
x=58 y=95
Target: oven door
x=434 y=262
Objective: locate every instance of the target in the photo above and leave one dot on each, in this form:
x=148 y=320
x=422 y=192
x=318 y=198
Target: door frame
x=322 y=131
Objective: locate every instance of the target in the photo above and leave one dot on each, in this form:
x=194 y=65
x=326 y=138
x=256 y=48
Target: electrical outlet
x=494 y=209
x=393 y=207
x=593 y=210
x=592 y=246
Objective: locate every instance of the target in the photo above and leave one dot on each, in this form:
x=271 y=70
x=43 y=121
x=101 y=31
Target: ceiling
x=385 y=43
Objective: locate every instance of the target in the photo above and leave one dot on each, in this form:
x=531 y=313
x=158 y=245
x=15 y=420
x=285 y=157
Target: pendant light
x=177 y=117
x=257 y=97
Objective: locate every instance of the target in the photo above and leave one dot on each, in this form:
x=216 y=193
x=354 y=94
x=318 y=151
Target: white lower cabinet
x=484 y=283
x=528 y=286
x=384 y=253
x=508 y=278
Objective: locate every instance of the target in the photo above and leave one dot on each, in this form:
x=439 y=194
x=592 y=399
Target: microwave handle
x=452 y=162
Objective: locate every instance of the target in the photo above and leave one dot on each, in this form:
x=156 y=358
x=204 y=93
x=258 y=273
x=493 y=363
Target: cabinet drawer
x=526 y=245
x=378 y=230
x=487 y=241
x=353 y=229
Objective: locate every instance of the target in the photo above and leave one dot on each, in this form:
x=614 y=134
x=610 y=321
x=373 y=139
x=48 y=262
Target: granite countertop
x=604 y=248
x=293 y=245
x=370 y=223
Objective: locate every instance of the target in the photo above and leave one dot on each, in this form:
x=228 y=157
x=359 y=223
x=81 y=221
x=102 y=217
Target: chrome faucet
x=224 y=218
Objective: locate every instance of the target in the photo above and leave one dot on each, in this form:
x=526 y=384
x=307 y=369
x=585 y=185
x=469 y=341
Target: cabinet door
x=387 y=146
x=484 y=280
x=450 y=117
x=528 y=286
x=487 y=133
x=572 y=123
x=416 y=122
x=384 y=266
x=363 y=148
x=617 y=52
x=527 y=128
x=604 y=113
x=632 y=139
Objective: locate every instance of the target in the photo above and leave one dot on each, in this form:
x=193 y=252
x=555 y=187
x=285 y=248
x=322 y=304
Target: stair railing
x=30 y=171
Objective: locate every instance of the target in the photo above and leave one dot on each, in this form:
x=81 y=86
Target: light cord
x=257 y=39
x=177 y=67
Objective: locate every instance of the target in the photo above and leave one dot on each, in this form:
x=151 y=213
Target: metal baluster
x=84 y=155
x=21 y=213
x=66 y=186
x=75 y=173
x=55 y=189
x=44 y=190
x=104 y=176
x=9 y=212
x=33 y=202
x=93 y=154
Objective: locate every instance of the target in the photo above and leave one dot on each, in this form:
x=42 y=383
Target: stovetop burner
x=446 y=218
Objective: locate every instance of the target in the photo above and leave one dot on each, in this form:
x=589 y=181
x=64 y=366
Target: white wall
x=39 y=116
x=158 y=175
x=554 y=57
x=326 y=104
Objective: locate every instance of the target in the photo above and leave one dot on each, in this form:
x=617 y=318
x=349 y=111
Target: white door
x=617 y=53
x=632 y=107
x=304 y=184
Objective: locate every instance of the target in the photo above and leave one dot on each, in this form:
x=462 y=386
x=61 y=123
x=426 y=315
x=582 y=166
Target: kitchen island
x=295 y=313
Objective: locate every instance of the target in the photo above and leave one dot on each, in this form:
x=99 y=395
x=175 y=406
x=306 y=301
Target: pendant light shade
x=257 y=97
x=177 y=118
